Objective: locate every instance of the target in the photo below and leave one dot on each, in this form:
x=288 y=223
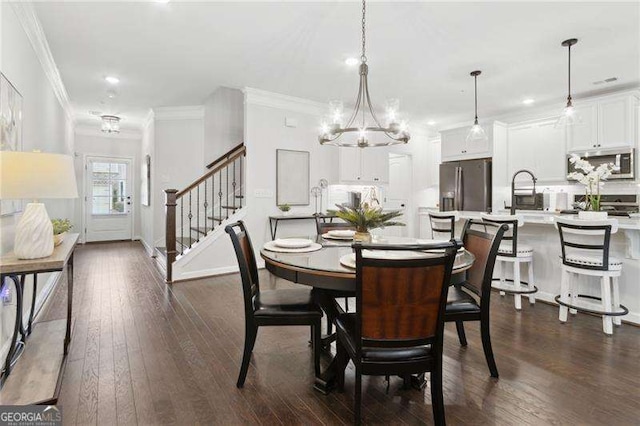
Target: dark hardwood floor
x=146 y=353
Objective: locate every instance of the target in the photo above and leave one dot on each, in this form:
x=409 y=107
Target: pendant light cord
x=363 y=57
x=569 y=79
x=475 y=84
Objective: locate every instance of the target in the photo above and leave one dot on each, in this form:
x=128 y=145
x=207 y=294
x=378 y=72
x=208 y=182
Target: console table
x=41 y=347
x=273 y=220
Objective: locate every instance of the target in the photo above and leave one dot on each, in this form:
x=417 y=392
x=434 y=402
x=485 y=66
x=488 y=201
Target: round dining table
x=322 y=270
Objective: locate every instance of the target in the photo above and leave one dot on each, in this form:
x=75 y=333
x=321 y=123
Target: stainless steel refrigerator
x=466 y=185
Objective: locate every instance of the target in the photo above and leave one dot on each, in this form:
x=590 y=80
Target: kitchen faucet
x=513 y=187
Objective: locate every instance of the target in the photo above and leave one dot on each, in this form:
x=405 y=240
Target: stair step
x=239 y=196
x=186 y=241
x=162 y=251
x=217 y=219
x=230 y=207
x=202 y=230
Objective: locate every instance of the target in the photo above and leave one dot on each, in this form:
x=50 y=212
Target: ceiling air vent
x=606 y=80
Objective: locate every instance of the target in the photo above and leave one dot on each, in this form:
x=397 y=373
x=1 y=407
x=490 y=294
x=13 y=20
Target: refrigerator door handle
x=458 y=194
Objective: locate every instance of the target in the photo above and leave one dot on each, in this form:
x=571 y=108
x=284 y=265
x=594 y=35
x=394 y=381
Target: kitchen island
x=539 y=232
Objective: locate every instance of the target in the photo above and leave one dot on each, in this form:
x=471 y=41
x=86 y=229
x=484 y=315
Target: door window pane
x=108 y=188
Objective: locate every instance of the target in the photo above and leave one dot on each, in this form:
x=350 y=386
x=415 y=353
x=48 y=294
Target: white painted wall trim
x=95 y=131
x=192 y=112
x=275 y=100
x=146 y=246
x=33 y=29
x=148 y=119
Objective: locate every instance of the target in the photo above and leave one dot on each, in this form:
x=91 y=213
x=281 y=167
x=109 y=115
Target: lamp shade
x=36 y=175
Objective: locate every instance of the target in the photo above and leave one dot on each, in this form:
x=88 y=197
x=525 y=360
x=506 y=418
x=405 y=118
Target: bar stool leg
x=500 y=272
x=617 y=320
x=532 y=296
x=573 y=288
x=516 y=284
x=564 y=293
x=607 y=323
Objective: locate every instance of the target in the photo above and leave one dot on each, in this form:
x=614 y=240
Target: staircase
x=201 y=210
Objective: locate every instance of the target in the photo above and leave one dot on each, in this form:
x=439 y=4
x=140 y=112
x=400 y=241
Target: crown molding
x=275 y=100
x=85 y=130
x=192 y=112
x=33 y=29
x=148 y=120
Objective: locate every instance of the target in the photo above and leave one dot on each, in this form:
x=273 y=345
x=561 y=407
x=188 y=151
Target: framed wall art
x=292 y=177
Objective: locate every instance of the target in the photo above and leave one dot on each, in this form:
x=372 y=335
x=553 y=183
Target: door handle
x=401 y=205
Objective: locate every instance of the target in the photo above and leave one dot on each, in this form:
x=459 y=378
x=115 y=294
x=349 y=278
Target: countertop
x=541 y=217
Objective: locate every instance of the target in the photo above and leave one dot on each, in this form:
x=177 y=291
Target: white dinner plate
x=335 y=237
x=271 y=246
x=293 y=243
x=342 y=233
x=349 y=260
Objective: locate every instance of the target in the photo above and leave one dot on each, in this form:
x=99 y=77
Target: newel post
x=170 y=229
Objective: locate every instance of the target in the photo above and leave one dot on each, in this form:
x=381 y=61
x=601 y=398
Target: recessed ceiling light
x=112 y=80
x=163 y=1
x=431 y=123
x=528 y=101
x=352 y=61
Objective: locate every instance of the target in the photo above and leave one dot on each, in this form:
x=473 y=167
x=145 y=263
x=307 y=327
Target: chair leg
x=342 y=359
x=251 y=332
x=564 y=294
x=437 y=397
x=532 y=296
x=517 y=284
x=488 y=350
x=617 y=320
x=357 y=409
x=316 y=329
x=461 y=335
x=329 y=324
x=607 y=323
x=573 y=288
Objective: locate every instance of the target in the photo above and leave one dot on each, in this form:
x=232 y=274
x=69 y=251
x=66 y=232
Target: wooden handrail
x=210 y=173
x=225 y=155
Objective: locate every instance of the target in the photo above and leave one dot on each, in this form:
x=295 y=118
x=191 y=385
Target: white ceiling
x=178 y=53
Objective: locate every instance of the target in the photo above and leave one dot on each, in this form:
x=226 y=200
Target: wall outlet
x=263 y=193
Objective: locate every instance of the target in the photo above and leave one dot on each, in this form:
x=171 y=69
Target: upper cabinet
x=608 y=122
x=455 y=146
x=364 y=165
x=537 y=146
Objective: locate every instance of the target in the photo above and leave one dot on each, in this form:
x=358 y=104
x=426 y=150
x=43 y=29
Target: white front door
x=108 y=200
x=398 y=192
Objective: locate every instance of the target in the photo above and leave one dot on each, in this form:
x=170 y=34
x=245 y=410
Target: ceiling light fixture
x=352 y=61
x=111 y=79
x=528 y=101
x=396 y=131
x=431 y=123
x=476 y=132
x=568 y=116
x=110 y=124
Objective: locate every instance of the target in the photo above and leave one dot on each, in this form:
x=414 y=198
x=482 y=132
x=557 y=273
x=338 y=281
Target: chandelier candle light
x=110 y=124
x=476 y=132
x=396 y=132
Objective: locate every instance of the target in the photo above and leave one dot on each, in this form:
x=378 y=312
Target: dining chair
x=398 y=325
x=470 y=299
x=443 y=224
x=270 y=307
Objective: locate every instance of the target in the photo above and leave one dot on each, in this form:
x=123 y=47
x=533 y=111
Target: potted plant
x=285 y=209
x=366 y=218
x=60 y=229
x=593 y=180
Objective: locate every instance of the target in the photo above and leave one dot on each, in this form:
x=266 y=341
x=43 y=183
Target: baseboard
x=147 y=247
x=632 y=318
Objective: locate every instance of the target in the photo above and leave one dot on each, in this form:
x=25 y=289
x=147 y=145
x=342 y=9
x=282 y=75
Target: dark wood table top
x=10 y=264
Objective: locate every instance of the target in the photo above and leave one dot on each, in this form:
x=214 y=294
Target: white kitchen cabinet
x=432 y=164
x=615 y=122
x=366 y=165
x=608 y=122
x=583 y=135
x=539 y=147
x=455 y=146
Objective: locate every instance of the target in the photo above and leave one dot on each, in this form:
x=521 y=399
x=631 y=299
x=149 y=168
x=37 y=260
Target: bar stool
x=511 y=251
x=443 y=224
x=585 y=251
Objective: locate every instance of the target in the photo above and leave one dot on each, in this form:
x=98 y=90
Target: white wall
x=92 y=142
x=46 y=120
x=178 y=154
x=146 y=212
x=223 y=122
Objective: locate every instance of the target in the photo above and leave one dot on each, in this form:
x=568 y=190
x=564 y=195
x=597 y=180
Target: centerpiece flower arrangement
x=60 y=229
x=365 y=218
x=592 y=178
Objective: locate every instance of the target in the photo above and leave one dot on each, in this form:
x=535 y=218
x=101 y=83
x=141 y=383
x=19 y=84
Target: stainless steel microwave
x=622 y=158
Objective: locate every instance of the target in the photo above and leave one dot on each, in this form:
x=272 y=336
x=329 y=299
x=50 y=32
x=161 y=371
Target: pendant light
x=568 y=117
x=362 y=129
x=476 y=132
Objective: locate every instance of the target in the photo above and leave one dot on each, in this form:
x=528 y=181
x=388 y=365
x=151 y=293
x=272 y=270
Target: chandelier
x=568 y=116
x=395 y=132
x=110 y=124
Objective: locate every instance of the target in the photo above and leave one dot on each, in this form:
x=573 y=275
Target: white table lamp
x=35 y=176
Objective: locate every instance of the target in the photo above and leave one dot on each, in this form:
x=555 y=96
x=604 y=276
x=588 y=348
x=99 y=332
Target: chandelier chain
x=363 y=57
